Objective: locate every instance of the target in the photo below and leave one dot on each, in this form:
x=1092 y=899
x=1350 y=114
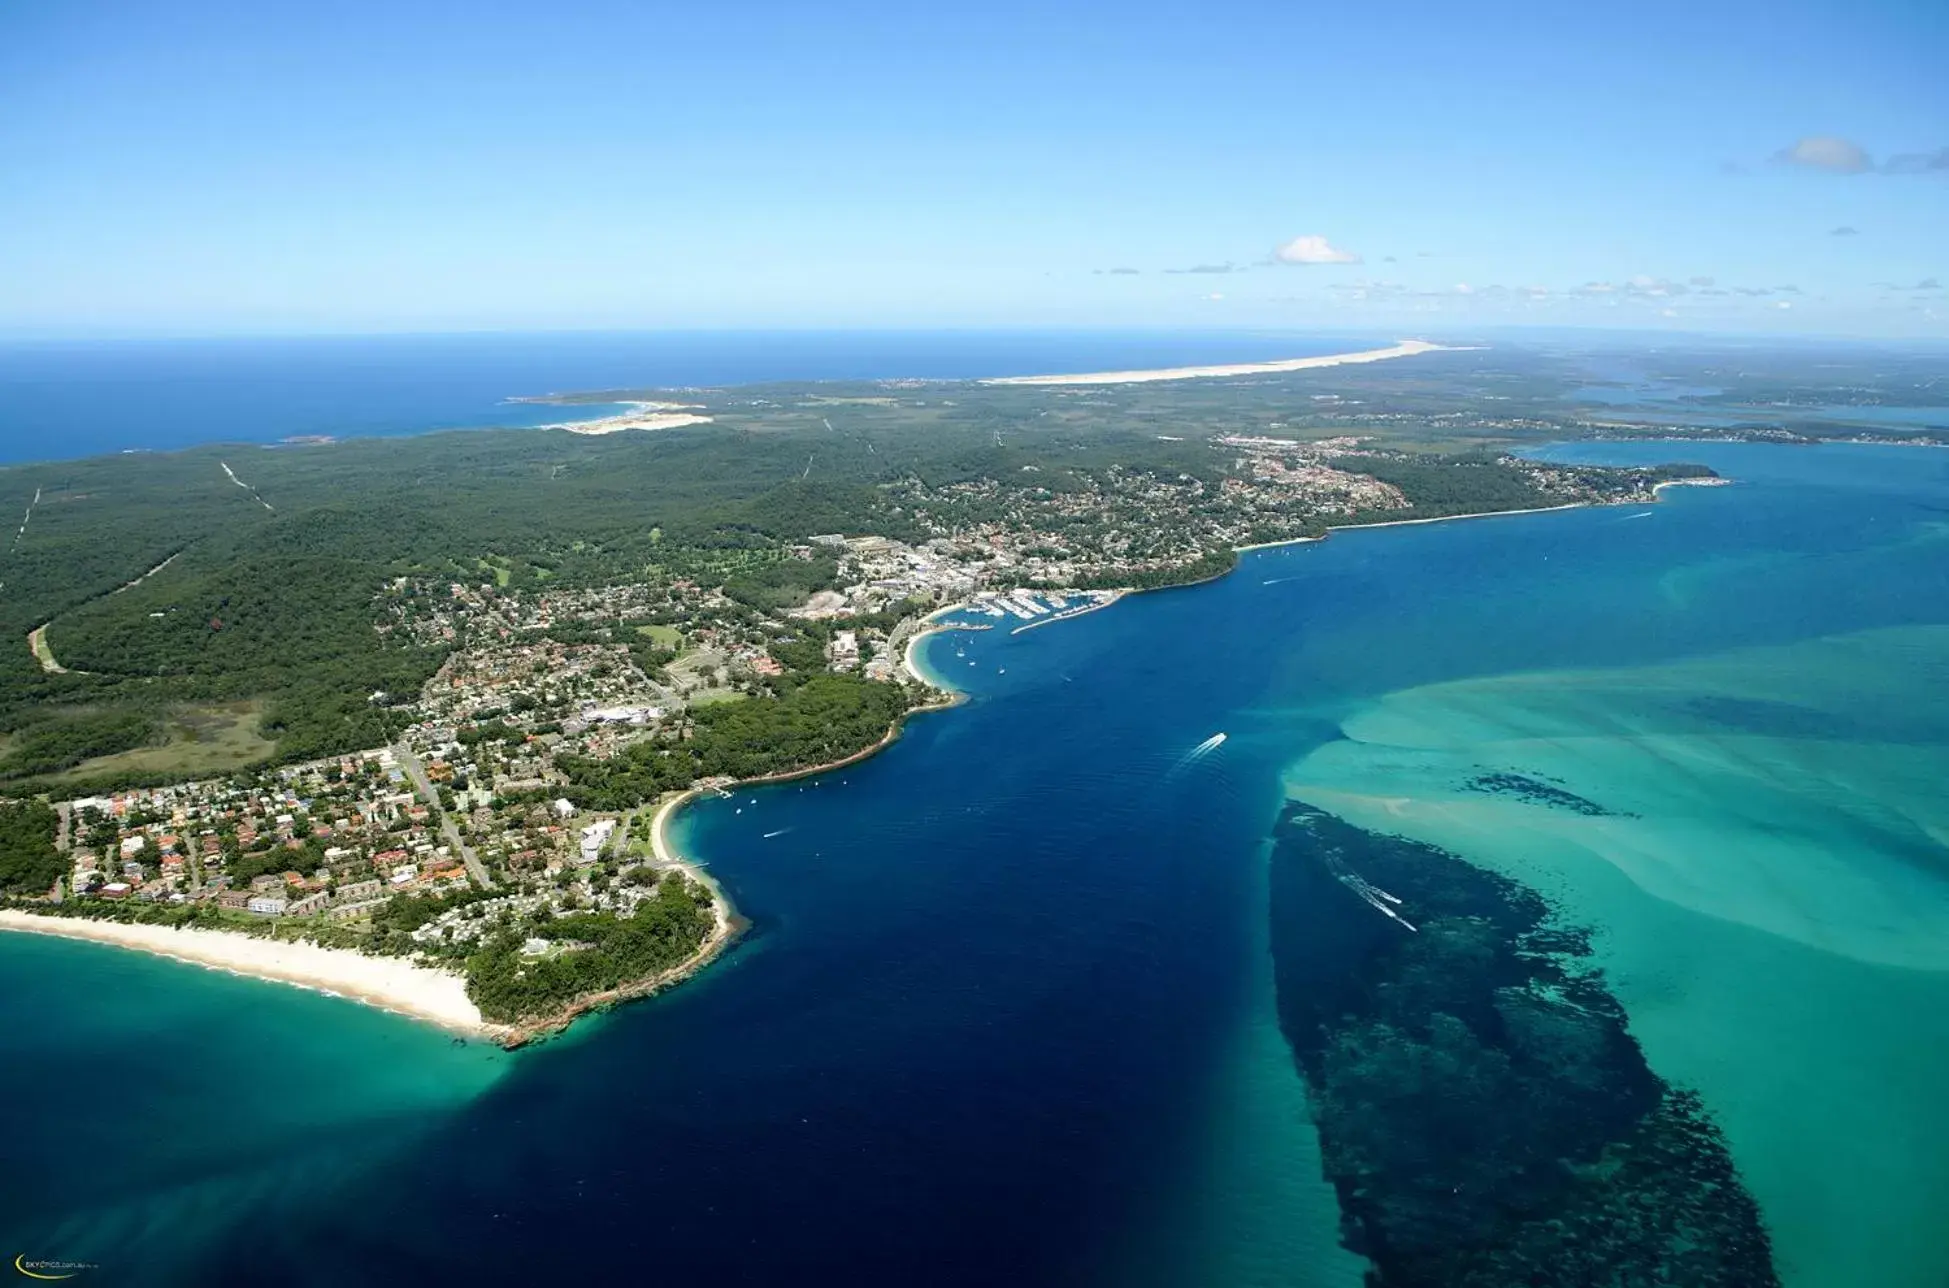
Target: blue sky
x=204 y=167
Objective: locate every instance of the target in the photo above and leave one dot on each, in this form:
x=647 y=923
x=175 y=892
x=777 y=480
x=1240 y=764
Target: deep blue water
x=1002 y=1016
x=73 y=399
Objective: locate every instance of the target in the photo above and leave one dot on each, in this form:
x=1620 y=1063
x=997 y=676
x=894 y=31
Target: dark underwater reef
x=1485 y=1115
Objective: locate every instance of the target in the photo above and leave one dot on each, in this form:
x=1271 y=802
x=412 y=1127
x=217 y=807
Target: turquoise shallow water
x=1757 y=831
x=150 y=1103
x=1006 y=1013
x=1772 y=905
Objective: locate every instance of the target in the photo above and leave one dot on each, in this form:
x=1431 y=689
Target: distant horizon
x=70 y=398
x=1324 y=331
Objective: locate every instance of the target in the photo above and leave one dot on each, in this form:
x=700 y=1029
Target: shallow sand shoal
x=389 y=983
x=1405 y=349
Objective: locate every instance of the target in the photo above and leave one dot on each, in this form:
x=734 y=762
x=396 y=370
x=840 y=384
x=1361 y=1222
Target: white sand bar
x=634 y=420
x=1405 y=349
x=391 y=983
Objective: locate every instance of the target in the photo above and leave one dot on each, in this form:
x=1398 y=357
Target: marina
x=1039 y=608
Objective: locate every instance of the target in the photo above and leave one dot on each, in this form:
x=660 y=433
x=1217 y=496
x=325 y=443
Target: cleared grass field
x=663 y=636
x=202 y=739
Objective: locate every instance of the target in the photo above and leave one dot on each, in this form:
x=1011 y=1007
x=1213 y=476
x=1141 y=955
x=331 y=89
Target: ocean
x=1019 y=1002
x=70 y=399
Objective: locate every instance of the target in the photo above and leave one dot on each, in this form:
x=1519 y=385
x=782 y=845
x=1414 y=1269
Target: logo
x=51 y=1268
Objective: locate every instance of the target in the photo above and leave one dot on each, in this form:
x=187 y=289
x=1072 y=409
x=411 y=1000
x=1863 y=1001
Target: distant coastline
x=1405 y=349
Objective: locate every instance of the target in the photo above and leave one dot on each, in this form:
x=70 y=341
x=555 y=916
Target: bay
x=1006 y=1010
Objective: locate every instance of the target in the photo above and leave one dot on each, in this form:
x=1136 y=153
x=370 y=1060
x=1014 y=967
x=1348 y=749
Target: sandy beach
x=636 y=420
x=910 y=659
x=659 y=841
x=390 y=983
x=1405 y=349
x=667 y=853
x=1449 y=518
x=641 y=415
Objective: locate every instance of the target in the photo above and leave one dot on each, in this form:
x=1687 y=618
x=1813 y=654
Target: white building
x=622 y=715
x=595 y=836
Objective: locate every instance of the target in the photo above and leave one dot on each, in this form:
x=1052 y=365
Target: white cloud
x=1825 y=152
x=1844 y=156
x=1313 y=249
x=1783 y=304
x=1936 y=162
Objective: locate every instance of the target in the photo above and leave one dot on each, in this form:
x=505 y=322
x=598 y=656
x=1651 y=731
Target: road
x=424 y=786
x=37 y=645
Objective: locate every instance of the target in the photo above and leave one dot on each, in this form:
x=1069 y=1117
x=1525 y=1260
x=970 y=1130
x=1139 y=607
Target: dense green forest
x=826 y=718
x=777 y=586
x=29 y=863
x=52 y=745
x=277 y=604
x=162 y=581
x=604 y=952
x=1215 y=563
x=1438 y=486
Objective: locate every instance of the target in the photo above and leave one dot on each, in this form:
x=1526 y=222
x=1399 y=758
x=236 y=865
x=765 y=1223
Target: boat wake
x=1199 y=752
x=1375 y=897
